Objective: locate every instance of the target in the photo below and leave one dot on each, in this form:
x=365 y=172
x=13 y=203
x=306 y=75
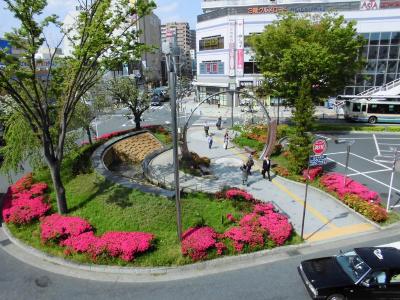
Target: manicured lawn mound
x=110 y=208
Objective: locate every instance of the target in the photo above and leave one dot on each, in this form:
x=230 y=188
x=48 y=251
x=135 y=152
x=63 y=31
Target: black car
x=365 y=273
x=155 y=100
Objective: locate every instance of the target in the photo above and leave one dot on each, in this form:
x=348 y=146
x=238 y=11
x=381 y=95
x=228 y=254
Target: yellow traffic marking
x=311 y=209
x=340 y=231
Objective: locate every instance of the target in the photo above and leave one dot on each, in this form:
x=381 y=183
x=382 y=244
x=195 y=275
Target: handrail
x=385 y=87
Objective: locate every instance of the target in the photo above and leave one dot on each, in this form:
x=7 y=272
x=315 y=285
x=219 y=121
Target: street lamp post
x=396 y=159
x=174 y=123
x=232 y=90
x=349 y=143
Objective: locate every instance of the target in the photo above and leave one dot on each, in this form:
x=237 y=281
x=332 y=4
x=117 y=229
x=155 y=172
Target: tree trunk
x=89 y=135
x=58 y=187
x=184 y=146
x=137 y=122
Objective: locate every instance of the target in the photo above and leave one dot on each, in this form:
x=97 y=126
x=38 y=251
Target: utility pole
x=172 y=91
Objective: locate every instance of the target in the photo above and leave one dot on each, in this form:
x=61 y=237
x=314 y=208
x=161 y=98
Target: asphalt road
x=368 y=161
x=278 y=280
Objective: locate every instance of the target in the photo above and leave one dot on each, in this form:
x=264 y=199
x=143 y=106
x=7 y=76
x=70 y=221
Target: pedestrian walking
x=249 y=164
x=206 y=128
x=219 y=123
x=266 y=167
x=226 y=144
x=245 y=174
x=210 y=141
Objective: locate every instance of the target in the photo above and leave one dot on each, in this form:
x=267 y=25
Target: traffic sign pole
x=305 y=200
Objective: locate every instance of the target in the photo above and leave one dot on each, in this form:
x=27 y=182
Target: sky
x=167 y=11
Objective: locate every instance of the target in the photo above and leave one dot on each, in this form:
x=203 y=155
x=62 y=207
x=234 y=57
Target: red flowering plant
x=334 y=182
x=25 y=202
x=196 y=242
x=57 y=227
x=312 y=173
x=238 y=194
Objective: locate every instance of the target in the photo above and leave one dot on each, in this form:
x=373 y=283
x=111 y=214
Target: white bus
x=373 y=111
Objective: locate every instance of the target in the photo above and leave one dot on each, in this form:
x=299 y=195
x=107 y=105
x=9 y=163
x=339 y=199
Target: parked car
x=365 y=273
x=155 y=100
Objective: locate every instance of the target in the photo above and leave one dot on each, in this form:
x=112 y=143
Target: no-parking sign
x=319 y=147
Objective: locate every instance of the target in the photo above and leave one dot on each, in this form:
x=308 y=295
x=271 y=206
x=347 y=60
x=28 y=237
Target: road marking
x=376 y=145
x=369 y=172
x=340 y=231
x=362 y=174
x=336 y=153
x=371 y=161
x=385 y=144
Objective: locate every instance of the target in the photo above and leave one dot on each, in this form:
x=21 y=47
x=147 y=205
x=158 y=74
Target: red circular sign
x=319 y=147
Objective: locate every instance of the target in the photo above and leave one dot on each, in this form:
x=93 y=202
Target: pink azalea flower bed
x=251 y=232
x=334 y=182
x=25 y=202
x=238 y=194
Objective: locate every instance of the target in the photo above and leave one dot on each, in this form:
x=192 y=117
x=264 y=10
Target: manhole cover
x=42 y=282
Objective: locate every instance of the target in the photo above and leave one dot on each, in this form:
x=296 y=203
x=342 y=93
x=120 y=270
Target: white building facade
x=224 y=57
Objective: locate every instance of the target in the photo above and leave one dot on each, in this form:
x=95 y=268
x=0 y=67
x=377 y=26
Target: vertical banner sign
x=232 y=44
x=369 y=4
x=240 y=48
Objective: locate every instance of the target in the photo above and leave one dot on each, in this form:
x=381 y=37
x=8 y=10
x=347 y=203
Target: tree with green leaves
x=305 y=59
x=103 y=31
x=92 y=104
x=126 y=90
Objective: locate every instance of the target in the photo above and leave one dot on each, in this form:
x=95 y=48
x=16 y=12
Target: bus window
x=356 y=107
x=364 y=108
x=378 y=108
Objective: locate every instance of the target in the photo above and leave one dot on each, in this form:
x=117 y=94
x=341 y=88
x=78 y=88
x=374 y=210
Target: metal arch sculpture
x=271 y=128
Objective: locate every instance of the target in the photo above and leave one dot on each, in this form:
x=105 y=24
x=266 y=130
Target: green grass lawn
x=109 y=207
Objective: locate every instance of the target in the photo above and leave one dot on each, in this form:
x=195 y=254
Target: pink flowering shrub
x=253 y=236
x=82 y=243
x=237 y=194
x=230 y=218
x=197 y=241
x=256 y=227
x=25 y=202
x=334 y=182
x=56 y=227
x=22 y=184
x=25 y=209
x=123 y=244
x=312 y=173
x=38 y=188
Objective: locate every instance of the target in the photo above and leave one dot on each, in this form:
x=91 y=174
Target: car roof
x=380 y=257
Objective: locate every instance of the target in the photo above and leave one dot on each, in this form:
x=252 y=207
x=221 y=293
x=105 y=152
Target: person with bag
x=206 y=128
x=210 y=141
x=250 y=164
x=266 y=167
x=245 y=175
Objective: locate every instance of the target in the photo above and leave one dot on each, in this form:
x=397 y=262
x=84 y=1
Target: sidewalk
x=326 y=218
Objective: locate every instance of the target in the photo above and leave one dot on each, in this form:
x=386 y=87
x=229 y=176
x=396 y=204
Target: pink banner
x=240 y=59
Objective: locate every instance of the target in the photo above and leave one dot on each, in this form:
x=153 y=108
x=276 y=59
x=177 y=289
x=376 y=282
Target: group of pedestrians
x=209 y=136
x=246 y=169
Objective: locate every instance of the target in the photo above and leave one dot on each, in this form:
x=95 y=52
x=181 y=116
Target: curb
x=41 y=260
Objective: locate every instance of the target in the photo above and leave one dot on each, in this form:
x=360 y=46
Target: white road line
x=369 y=172
x=371 y=161
x=369 y=177
x=395 y=206
x=383 y=138
x=376 y=144
x=384 y=144
x=336 y=153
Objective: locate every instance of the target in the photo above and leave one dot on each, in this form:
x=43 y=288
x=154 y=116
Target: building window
x=212 y=67
x=251 y=68
x=211 y=43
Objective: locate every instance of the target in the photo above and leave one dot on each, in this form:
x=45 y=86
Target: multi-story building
x=224 y=57
x=149 y=65
x=178 y=36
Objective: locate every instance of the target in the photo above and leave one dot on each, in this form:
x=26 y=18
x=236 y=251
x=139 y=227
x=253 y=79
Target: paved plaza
x=326 y=218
